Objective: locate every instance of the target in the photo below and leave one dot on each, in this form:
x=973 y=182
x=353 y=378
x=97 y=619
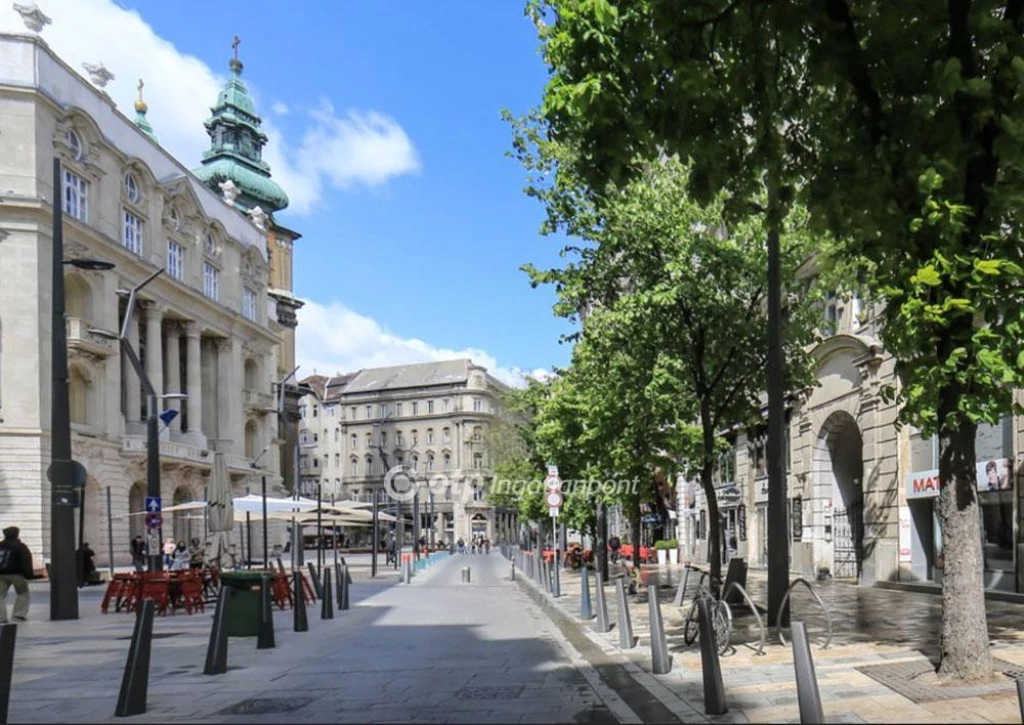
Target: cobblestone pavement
x=433 y=651
x=874 y=629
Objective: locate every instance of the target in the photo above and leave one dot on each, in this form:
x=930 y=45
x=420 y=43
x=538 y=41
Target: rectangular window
x=831 y=325
x=369 y=412
x=415 y=408
x=478 y=405
x=131 y=235
x=211 y=281
x=248 y=303
x=445 y=403
x=175 y=260
x=76 y=196
x=383 y=411
x=398 y=408
x=430 y=406
x=352 y=411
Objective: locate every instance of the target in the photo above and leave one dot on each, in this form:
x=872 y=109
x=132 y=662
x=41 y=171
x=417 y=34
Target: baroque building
x=429 y=418
x=210 y=327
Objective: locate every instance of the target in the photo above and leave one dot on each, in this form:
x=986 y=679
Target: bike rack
x=828 y=617
x=753 y=608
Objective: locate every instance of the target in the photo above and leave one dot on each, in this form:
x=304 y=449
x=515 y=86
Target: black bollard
x=280 y=565
x=135 y=682
x=217 y=650
x=661 y=660
x=625 y=625
x=602 y=606
x=714 y=690
x=299 y=619
x=327 y=604
x=8 y=633
x=556 y=590
x=586 y=612
x=1020 y=699
x=346 y=579
x=265 y=633
x=807 y=694
x=315 y=577
x=338 y=579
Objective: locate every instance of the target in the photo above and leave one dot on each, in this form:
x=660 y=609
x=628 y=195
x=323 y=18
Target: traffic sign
x=153 y=504
x=553 y=483
x=154 y=520
x=554 y=499
x=553 y=512
x=552 y=469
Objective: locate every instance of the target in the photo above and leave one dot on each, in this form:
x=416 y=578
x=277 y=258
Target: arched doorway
x=478 y=526
x=183 y=524
x=136 y=507
x=839 y=466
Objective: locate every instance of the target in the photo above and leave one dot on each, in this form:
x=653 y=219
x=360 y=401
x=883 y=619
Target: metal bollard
x=337 y=584
x=327 y=603
x=807 y=694
x=135 y=682
x=406 y=572
x=265 y=633
x=467 y=575
x=681 y=591
x=556 y=584
x=299 y=619
x=714 y=690
x=315 y=578
x=513 y=569
x=217 y=649
x=602 y=606
x=345 y=579
x=586 y=611
x=8 y=634
x=661 y=660
x=625 y=625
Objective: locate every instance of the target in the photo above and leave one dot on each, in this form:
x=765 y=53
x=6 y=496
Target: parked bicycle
x=710 y=590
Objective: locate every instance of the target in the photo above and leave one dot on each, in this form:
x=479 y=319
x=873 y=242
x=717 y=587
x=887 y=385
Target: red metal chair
x=280 y=590
x=190 y=592
x=118 y=589
x=156 y=586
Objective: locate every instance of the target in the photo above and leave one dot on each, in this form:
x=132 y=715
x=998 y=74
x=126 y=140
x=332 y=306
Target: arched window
x=415 y=437
x=131 y=188
x=337 y=460
x=447 y=461
x=430 y=463
x=415 y=463
x=383 y=438
x=430 y=436
x=369 y=465
x=75 y=143
x=446 y=435
x=354 y=466
x=337 y=434
x=354 y=442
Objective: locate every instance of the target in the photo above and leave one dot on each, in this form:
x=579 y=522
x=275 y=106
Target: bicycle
x=721 y=615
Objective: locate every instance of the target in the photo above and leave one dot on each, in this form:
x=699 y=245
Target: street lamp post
x=63 y=589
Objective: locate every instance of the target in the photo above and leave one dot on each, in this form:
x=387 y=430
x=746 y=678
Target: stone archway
x=839 y=472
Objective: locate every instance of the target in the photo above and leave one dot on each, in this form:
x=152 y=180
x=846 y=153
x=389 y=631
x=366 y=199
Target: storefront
x=921 y=541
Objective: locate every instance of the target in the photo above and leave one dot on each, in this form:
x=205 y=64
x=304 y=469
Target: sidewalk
x=435 y=650
x=874 y=670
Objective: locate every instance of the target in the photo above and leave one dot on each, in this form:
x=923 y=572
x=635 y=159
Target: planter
x=662 y=557
x=673 y=556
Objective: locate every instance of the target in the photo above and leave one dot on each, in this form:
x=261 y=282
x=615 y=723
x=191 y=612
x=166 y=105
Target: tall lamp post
x=64 y=577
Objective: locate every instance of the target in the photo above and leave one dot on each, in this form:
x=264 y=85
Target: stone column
x=172 y=370
x=133 y=386
x=227 y=396
x=155 y=348
x=193 y=379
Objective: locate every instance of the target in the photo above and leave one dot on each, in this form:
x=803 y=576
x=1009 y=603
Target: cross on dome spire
x=236 y=64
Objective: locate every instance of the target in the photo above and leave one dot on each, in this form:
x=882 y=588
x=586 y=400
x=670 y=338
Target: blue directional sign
x=153 y=504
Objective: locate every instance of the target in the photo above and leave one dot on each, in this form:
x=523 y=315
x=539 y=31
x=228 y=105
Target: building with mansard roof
x=217 y=326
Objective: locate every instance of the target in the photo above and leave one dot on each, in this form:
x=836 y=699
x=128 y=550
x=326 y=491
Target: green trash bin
x=243 y=617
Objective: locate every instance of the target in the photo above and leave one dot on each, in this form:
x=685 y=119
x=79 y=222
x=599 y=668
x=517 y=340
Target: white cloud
x=333 y=339
x=281 y=109
x=357 y=147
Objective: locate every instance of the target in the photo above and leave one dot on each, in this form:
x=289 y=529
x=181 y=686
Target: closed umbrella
x=221 y=514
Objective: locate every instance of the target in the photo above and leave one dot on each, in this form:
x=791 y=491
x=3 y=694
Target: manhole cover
x=490 y=692
x=916 y=680
x=159 y=635
x=265 y=706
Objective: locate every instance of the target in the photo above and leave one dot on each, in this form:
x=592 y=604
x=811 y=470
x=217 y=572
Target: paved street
x=433 y=651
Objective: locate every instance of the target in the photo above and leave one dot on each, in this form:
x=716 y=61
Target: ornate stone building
x=430 y=418
x=209 y=327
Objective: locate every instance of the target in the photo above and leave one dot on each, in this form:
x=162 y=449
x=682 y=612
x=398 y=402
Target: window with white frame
x=383 y=439
x=383 y=410
x=76 y=196
x=831 y=314
x=446 y=435
x=354 y=442
x=430 y=436
x=445 y=404
x=430 y=463
x=415 y=408
x=479 y=493
x=430 y=406
x=337 y=460
x=369 y=412
x=175 y=259
x=354 y=466
x=209 y=244
x=131 y=234
x=478 y=405
x=369 y=441
x=415 y=438
x=447 y=461
x=477 y=434
x=369 y=465
x=75 y=143
x=131 y=189
x=211 y=281
x=249 y=303
x=399 y=439
x=352 y=411
x=478 y=460
x=415 y=463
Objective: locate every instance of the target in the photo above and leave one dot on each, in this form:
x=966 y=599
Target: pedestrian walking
x=462 y=546
x=180 y=558
x=15 y=571
x=139 y=552
x=196 y=555
x=169 y=547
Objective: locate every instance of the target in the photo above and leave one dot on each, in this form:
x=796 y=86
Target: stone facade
x=206 y=327
x=430 y=418
x=849 y=470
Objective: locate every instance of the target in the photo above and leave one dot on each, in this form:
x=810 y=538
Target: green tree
x=899 y=126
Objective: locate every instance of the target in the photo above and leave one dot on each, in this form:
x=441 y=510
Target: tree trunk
x=708 y=483
x=965 y=644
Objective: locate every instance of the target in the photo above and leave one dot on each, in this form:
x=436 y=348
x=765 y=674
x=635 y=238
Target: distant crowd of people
x=177 y=555
x=477 y=545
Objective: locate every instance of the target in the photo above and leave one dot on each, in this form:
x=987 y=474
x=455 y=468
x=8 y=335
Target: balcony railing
x=257 y=399
x=81 y=340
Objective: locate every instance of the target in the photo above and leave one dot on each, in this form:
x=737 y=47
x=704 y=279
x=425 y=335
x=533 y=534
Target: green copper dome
x=236 y=149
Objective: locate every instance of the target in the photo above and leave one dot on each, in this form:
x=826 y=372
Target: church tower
x=234 y=168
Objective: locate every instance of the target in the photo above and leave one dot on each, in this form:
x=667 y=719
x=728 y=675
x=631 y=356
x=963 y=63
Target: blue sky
x=432 y=255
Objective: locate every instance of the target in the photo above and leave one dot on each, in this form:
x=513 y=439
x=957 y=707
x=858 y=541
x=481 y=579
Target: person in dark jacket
x=15 y=571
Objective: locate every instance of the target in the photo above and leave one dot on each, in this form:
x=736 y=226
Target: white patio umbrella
x=253 y=505
x=222 y=514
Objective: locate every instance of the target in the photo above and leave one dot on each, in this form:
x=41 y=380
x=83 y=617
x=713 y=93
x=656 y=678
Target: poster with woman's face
x=998 y=476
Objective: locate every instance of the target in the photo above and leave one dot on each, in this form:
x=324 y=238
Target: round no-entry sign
x=553 y=483
x=554 y=499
